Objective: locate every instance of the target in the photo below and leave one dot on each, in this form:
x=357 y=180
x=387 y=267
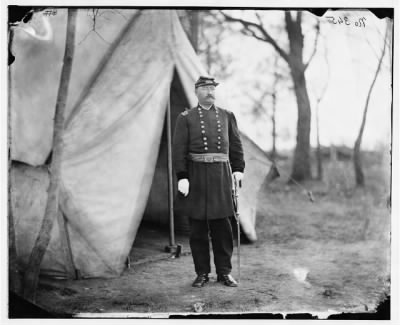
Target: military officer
x=207 y=150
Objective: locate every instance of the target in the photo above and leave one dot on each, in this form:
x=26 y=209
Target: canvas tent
x=114 y=160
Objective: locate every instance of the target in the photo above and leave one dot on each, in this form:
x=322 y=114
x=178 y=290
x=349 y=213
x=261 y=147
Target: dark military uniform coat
x=210 y=184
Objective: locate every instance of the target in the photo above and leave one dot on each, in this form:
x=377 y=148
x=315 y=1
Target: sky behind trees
x=352 y=56
x=351 y=52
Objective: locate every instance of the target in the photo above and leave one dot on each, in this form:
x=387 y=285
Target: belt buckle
x=208 y=159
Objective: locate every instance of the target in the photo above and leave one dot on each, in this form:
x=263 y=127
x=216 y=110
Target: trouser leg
x=222 y=244
x=199 y=245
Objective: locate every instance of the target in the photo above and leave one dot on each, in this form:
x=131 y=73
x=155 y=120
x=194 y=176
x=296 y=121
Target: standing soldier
x=206 y=151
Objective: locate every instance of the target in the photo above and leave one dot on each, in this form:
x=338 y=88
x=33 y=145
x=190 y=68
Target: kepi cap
x=205 y=81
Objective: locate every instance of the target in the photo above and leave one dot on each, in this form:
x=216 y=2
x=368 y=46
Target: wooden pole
x=170 y=178
x=31 y=277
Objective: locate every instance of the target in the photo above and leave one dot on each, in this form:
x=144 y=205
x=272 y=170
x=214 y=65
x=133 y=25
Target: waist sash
x=209 y=157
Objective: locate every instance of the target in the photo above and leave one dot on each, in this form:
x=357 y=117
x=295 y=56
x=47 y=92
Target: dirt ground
x=323 y=257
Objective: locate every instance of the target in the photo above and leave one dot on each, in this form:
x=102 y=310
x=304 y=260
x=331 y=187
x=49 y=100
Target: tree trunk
x=31 y=276
x=273 y=120
x=14 y=276
x=301 y=162
x=357 y=159
x=320 y=172
x=319 y=158
x=273 y=115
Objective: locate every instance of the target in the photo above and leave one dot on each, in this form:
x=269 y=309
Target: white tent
x=111 y=145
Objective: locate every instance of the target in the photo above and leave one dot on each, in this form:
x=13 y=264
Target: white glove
x=238 y=176
x=183 y=186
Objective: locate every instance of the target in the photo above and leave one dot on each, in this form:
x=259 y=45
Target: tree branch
x=247 y=25
x=252 y=33
x=322 y=94
x=373 y=49
x=288 y=19
x=95 y=13
x=317 y=27
x=298 y=17
x=259 y=20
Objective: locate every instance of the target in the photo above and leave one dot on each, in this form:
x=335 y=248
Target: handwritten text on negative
x=358 y=22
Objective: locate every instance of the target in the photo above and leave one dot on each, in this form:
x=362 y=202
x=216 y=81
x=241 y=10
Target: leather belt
x=208 y=157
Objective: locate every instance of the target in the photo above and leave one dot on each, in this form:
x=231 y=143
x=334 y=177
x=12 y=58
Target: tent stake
x=172 y=248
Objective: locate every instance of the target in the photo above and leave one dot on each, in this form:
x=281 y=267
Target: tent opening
x=157 y=208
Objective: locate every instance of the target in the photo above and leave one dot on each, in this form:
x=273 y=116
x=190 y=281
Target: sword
x=236 y=209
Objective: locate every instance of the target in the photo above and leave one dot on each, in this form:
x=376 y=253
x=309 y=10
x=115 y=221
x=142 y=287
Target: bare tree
x=274 y=95
x=260 y=108
x=301 y=169
x=31 y=276
x=319 y=98
x=357 y=159
x=211 y=34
